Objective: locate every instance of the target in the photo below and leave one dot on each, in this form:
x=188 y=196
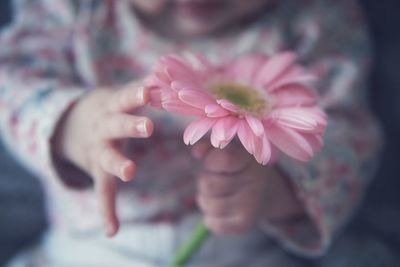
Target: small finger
x=128 y=98
x=116 y=164
x=122 y=125
x=215 y=207
x=229 y=160
x=200 y=149
x=105 y=188
x=217 y=185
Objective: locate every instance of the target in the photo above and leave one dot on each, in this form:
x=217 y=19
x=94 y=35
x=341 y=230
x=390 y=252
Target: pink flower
x=263 y=100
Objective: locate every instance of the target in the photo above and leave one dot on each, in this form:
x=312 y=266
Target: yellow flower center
x=243 y=96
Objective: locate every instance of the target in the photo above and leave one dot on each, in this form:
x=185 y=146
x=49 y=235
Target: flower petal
x=274 y=67
x=294 y=95
x=168 y=95
x=263 y=150
x=198 y=62
x=215 y=110
x=315 y=141
x=197 y=129
x=155 y=97
x=226 y=104
x=246 y=136
x=309 y=120
x=177 y=67
x=223 y=132
x=195 y=98
x=179 y=107
x=290 y=142
x=162 y=78
x=295 y=75
x=153 y=81
x=178 y=85
x=181 y=75
x=244 y=68
x=255 y=124
x=173 y=61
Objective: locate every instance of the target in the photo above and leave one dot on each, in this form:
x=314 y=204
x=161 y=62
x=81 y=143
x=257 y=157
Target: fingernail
x=122 y=170
x=140 y=94
x=141 y=126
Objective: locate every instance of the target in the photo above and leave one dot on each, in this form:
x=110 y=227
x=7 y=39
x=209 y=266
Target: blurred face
x=195 y=17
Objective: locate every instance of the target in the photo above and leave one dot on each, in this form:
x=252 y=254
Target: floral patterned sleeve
x=332 y=40
x=37 y=79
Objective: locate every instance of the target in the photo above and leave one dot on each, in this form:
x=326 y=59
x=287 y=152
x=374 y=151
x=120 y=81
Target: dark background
x=374 y=235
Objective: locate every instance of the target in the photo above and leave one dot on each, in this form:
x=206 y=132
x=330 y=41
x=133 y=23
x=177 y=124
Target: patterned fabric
x=58 y=50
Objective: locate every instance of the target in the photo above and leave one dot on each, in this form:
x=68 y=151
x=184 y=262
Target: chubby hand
x=92 y=137
x=235 y=193
x=231 y=188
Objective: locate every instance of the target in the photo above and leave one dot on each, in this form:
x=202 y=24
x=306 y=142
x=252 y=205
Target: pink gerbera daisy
x=263 y=100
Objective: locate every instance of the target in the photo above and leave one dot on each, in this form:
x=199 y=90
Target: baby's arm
x=37 y=79
x=46 y=119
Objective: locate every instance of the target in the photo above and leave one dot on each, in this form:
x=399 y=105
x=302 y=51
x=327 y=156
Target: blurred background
x=374 y=234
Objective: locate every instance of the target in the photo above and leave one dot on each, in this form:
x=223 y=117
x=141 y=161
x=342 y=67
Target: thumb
x=200 y=149
x=230 y=160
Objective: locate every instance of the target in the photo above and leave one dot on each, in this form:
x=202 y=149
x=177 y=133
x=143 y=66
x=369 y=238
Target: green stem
x=190 y=248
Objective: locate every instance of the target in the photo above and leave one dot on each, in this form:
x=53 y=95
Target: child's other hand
x=92 y=137
x=235 y=192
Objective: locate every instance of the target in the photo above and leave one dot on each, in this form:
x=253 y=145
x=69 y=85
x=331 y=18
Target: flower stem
x=190 y=248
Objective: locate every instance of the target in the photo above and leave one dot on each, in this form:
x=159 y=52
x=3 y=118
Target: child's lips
x=200 y=9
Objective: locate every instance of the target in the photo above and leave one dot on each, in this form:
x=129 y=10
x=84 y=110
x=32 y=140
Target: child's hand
x=235 y=192
x=91 y=137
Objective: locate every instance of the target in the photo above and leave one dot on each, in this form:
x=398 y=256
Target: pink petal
x=155 y=97
x=215 y=110
x=197 y=129
x=168 y=95
x=274 y=67
x=295 y=75
x=198 y=62
x=191 y=68
x=223 y=132
x=162 y=78
x=173 y=61
x=178 y=85
x=294 y=95
x=228 y=105
x=244 y=68
x=176 y=67
x=246 y=136
x=315 y=141
x=195 y=98
x=290 y=142
x=301 y=119
x=154 y=81
x=263 y=150
x=255 y=125
x=181 y=75
x=179 y=107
